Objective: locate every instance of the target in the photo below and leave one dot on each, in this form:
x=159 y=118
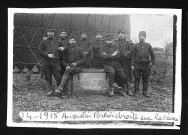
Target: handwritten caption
x=99 y=116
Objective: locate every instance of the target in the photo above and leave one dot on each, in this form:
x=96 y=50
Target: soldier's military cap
x=50 y=30
x=83 y=32
x=109 y=36
x=97 y=32
x=63 y=30
x=73 y=37
x=121 y=31
x=142 y=33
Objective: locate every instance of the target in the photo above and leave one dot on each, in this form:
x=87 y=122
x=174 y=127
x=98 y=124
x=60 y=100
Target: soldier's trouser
x=114 y=71
x=66 y=76
x=127 y=69
x=97 y=62
x=87 y=63
x=52 y=68
x=141 y=71
x=62 y=70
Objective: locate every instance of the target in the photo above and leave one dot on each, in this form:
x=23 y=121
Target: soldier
x=48 y=50
x=62 y=45
x=87 y=48
x=73 y=58
x=112 y=66
x=97 y=62
x=63 y=39
x=141 y=64
x=125 y=57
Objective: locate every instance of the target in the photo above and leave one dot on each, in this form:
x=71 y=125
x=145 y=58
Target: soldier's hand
x=61 y=48
x=115 y=53
x=150 y=64
x=85 y=53
x=44 y=38
x=125 y=54
x=132 y=67
x=51 y=56
x=104 y=53
x=68 y=67
x=74 y=64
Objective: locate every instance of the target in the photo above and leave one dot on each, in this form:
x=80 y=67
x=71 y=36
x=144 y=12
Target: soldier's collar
x=72 y=46
x=122 y=39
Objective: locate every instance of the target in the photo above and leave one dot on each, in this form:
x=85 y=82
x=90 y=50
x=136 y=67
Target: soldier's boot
x=123 y=91
x=67 y=91
x=129 y=90
x=111 y=92
x=145 y=90
x=50 y=89
x=60 y=89
x=136 y=87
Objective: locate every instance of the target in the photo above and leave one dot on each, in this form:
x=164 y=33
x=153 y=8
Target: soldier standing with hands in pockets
x=141 y=63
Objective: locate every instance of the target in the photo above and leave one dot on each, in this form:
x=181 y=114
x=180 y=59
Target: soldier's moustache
x=63 y=37
x=141 y=40
x=72 y=44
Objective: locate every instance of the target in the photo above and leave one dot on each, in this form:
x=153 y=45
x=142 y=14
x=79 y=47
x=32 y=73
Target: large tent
x=29 y=29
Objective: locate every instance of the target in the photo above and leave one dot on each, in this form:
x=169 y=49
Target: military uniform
x=70 y=55
x=125 y=59
x=62 y=43
x=112 y=65
x=140 y=60
x=50 y=66
x=97 y=61
x=86 y=45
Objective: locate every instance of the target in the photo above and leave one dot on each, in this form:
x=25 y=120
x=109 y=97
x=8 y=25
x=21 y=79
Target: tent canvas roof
x=29 y=29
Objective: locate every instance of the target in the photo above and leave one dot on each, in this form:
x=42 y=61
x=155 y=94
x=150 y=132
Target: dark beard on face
x=83 y=39
x=121 y=38
x=109 y=45
x=141 y=40
x=50 y=37
x=63 y=37
x=72 y=45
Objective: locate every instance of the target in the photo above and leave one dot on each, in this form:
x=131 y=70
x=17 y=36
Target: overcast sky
x=159 y=28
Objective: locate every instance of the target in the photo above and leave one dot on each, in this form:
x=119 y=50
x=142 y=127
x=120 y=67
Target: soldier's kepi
x=141 y=63
x=112 y=67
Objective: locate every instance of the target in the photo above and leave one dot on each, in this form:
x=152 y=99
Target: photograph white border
x=178 y=81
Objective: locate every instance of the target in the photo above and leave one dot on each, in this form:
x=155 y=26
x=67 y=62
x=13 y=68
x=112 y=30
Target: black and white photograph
x=94 y=68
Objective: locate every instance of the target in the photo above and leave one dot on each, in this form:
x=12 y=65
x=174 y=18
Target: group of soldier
x=67 y=56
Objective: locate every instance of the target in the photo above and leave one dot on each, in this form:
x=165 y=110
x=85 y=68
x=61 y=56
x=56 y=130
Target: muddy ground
x=32 y=96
